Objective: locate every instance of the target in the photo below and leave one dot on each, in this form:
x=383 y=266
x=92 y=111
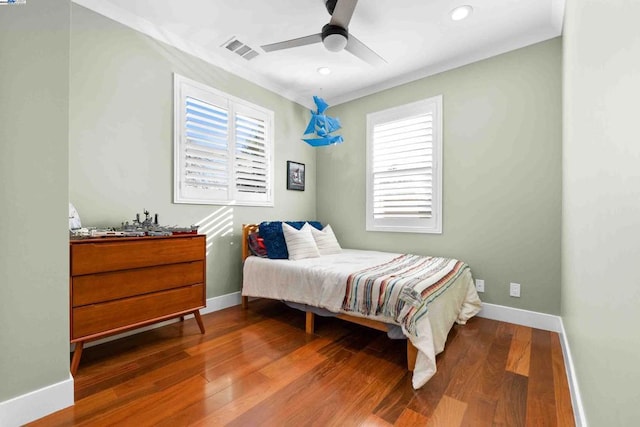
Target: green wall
x=601 y=219
x=121 y=140
x=502 y=173
x=34 y=260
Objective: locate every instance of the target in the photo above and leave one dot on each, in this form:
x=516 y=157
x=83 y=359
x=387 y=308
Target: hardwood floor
x=257 y=367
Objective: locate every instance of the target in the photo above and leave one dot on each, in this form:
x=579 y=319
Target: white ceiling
x=417 y=38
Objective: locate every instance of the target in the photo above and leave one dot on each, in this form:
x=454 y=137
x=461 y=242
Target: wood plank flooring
x=257 y=367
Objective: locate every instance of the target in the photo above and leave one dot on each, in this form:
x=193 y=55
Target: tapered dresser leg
x=77 y=354
x=199 y=320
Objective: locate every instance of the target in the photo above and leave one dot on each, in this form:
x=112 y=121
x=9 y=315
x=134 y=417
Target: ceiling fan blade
x=343 y=12
x=359 y=49
x=300 y=41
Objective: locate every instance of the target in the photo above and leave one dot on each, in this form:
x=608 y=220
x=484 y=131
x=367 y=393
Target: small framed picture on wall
x=295 y=176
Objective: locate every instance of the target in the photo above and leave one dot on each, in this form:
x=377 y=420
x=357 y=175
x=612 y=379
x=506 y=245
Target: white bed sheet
x=321 y=282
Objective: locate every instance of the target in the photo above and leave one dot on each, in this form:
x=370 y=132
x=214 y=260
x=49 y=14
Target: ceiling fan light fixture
x=334 y=37
x=461 y=12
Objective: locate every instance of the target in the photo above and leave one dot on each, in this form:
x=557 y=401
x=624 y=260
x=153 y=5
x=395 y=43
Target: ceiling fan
x=334 y=35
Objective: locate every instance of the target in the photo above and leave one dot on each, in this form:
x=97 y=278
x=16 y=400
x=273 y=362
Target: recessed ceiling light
x=461 y=12
x=324 y=70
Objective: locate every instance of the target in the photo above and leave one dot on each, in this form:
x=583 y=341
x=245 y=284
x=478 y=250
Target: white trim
x=47 y=400
x=36 y=404
x=143 y=26
x=532 y=319
x=213 y=304
x=547 y=322
x=557 y=15
x=576 y=399
x=39 y=403
x=433 y=225
x=231 y=107
x=221 y=302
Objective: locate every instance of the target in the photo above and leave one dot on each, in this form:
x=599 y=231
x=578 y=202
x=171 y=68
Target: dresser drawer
x=131 y=312
x=87 y=258
x=103 y=287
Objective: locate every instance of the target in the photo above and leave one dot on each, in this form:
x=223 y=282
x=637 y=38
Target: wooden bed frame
x=412 y=352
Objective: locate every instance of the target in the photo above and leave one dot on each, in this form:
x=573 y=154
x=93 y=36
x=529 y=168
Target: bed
x=407 y=296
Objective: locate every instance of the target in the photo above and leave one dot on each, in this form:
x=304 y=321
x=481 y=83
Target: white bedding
x=321 y=282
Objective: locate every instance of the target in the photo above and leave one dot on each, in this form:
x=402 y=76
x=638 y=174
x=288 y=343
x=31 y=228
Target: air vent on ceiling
x=241 y=49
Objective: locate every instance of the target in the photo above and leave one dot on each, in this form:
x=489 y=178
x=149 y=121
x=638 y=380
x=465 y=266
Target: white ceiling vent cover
x=241 y=49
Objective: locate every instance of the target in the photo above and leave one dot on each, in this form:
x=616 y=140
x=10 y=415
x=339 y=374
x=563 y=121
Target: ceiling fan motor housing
x=334 y=37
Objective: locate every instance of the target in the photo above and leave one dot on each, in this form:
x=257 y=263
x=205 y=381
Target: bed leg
x=245 y=302
x=412 y=354
x=310 y=323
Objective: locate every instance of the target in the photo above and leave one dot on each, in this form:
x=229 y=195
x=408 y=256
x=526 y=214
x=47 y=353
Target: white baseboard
x=576 y=399
x=42 y=402
x=532 y=319
x=213 y=304
x=47 y=400
x=546 y=322
x=36 y=404
x=222 y=302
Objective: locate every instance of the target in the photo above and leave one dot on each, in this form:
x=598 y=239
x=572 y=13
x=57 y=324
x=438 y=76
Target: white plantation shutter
x=223 y=148
x=206 y=154
x=251 y=166
x=404 y=175
x=402 y=168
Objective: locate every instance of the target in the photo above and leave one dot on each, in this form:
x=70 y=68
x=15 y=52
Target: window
x=223 y=148
x=404 y=168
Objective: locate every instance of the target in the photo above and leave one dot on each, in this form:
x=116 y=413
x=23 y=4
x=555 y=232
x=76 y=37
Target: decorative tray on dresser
x=123 y=283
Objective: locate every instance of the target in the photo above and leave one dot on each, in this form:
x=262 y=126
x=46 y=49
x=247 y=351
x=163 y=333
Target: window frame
x=185 y=87
x=433 y=225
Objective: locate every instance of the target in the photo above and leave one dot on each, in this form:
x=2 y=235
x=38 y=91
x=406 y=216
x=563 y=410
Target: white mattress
x=321 y=282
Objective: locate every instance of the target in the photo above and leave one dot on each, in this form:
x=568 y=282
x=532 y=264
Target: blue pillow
x=271 y=232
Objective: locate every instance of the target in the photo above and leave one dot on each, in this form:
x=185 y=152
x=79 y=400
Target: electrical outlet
x=514 y=290
x=479 y=285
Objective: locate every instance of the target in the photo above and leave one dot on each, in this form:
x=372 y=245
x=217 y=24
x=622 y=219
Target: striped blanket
x=402 y=288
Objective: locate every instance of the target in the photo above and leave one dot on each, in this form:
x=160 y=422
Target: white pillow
x=300 y=243
x=326 y=241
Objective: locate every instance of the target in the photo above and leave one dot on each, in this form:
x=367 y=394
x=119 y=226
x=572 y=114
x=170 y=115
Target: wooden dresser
x=123 y=283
